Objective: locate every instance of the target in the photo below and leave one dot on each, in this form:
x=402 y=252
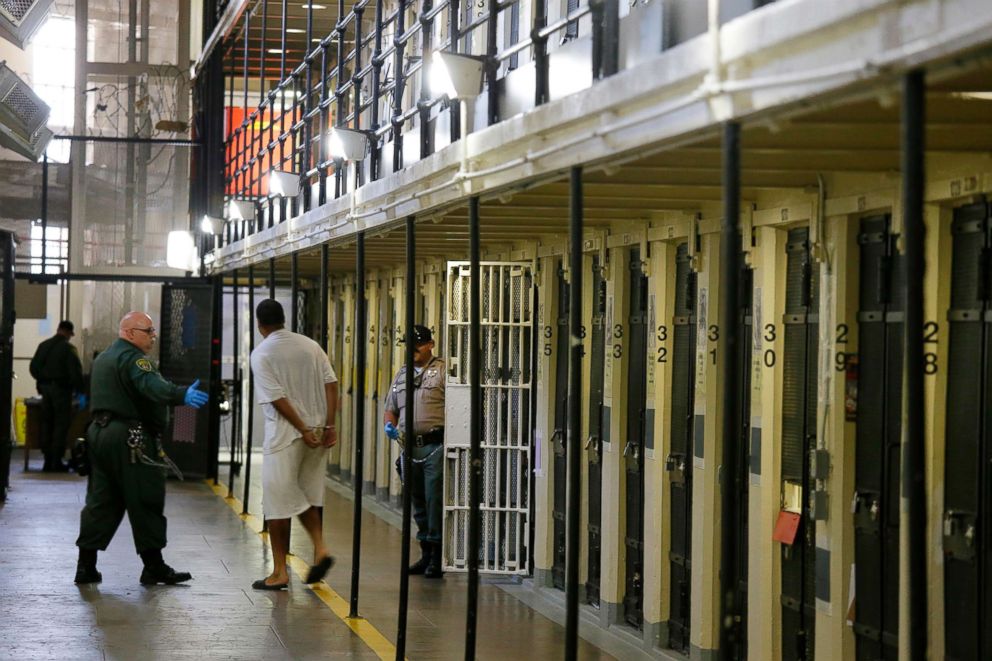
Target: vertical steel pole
x=251 y=388
x=913 y=452
x=409 y=418
x=235 y=373
x=492 y=65
x=272 y=278
x=324 y=296
x=542 y=63
x=475 y=428
x=44 y=212
x=216 y=352
x=575 y=400
x=361 y=323
x=294 y=291
x=730 y=269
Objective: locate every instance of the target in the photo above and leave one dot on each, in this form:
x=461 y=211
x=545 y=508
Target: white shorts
x=293 y=480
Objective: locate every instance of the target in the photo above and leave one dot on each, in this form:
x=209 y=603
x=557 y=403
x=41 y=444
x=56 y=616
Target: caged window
x=56 y=249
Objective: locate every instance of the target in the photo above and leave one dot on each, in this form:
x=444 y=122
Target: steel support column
x=251 y=389
x=574 y=430
x=913 y=452
x=272 y=278
x=730 y=269
x=324 y=295
x=361 y=324
x=409 y=416
x=235 y=364
x=294 y=291
x=214 y=387
x=475 y=429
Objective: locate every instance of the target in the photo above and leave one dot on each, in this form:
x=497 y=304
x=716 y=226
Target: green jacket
x=125 y=382
x=56 y=361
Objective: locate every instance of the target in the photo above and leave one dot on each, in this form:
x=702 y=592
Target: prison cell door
x=559 y=437
x=597 y=427
x=184 y=356
x=968 y=474
x=798 y=444
x=637 y=345
x=6 y=354
x=678 y=463
x=743 y=416
x=507 y=352
x=877 y=452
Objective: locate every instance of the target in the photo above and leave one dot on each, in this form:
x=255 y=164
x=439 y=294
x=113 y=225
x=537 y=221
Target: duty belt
x=138 y=441
x=435 y=435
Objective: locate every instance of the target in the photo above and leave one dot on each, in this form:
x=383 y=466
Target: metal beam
x=411 y=239
x=475 y=430
x=358 y=467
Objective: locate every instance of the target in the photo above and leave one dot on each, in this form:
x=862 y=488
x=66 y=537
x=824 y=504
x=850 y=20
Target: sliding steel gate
x=597 y=429
x=507 y=345
x=559 y=437
x=634 y=450
x=679 y=463
x=798 y=444
x=6 y=354
x=968 y=473
x=879 y=439
x=184 y=356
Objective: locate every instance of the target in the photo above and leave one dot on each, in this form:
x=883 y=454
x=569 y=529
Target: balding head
x=138 y=329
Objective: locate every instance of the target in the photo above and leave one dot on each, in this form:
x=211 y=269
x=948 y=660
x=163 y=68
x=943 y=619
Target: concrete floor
x=43 y=615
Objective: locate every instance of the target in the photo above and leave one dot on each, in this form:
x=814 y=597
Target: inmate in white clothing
x=290 y=365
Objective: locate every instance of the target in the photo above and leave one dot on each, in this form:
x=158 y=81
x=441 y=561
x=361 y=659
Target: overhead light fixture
x=275 y=51
x=312 y=6
x=284 y=184
x=456 y=76
x=348 y=144
x=241 y=210
x=23 y=116
x=19 y=21
x=211 y=225
x=181 y=251
x=294 y=31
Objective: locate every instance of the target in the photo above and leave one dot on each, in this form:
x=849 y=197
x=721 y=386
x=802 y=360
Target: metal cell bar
x=294 y=291
x=235 y=375
x=377 y=62
x=914 y=466
x=475 y=428
x=358 y=472
x=399 y=84
x=730 y=269
x=605 y=38
x=272 y=278
x=44 y=213
x=325 y=251
x=251 y=390
x=492 y=65
x=407 y=467
x=574 y=454
x=426 y=34
x=541 y=61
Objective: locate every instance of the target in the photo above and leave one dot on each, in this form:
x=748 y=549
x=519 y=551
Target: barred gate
x=184 y=357
x=507 y=343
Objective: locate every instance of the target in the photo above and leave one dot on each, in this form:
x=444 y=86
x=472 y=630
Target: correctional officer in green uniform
x=425 y=445
x=58 y=372
x=130 y=411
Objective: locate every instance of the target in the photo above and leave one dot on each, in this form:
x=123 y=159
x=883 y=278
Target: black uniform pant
x=56 y=411
x=117 y=486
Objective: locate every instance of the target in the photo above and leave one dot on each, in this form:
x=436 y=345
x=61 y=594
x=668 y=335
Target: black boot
x=156 y=571
x=86 y=567
x=425 y=559
x=434 y=567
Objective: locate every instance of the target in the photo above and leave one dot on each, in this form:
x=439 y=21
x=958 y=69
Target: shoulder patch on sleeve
x=144 y=364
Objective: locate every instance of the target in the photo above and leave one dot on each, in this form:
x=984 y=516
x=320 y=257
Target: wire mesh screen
x=507 y=325
x=185 y=337
x=104 y=303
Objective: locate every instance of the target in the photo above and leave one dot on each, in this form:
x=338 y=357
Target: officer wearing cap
x=58 y=372
x=128 y=466
x=425 y=443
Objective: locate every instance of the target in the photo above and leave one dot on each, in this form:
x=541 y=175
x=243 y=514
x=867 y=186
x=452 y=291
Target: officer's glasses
x=150 y=330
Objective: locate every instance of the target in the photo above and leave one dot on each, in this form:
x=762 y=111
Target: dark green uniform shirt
x=126 y=383
x=56 y=362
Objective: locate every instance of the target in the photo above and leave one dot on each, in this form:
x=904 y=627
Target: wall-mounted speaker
x=21 y=19
x=22 y=116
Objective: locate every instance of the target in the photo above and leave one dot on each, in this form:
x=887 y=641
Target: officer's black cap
x=66 y=325
x=422 y=335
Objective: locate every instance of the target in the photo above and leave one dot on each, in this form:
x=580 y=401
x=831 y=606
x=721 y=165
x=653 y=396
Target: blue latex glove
x=391 y=431
x=82 y=401
x=196 y=398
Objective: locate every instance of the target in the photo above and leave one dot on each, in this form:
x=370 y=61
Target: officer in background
x=128 y=466
x=58 y=372
x=425 y=443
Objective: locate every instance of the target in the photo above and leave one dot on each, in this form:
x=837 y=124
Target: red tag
x=786 y=527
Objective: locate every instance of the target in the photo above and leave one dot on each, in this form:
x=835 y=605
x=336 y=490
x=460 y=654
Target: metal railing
x=380 y=86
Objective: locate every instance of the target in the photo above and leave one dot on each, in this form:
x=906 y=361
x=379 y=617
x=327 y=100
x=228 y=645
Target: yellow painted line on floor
x=371 y=636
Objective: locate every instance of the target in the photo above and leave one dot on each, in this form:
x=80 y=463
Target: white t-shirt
x=290 y=365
